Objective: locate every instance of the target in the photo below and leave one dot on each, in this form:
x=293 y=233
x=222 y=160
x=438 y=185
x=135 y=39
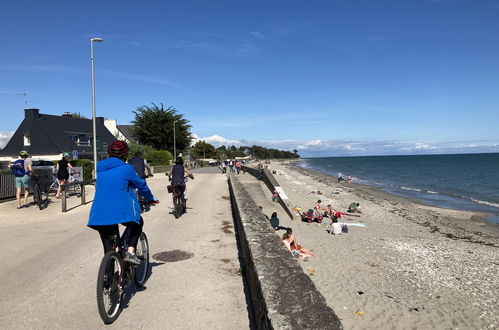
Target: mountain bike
x=115 y=275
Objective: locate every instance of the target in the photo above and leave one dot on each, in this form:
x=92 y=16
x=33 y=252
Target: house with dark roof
x=49 y=136
x=122 y=132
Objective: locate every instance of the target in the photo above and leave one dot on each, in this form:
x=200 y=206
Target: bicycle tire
x=40 y=197
x=109 y=289
x=142 y=252
x=184 y=204
x=37 y=195
x=176 y=207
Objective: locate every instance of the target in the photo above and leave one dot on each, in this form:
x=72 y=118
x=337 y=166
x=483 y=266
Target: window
x=27 y=140
x=83 y=140
x=80 y=139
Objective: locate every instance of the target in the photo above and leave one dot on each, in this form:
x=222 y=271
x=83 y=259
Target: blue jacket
x=115 y=200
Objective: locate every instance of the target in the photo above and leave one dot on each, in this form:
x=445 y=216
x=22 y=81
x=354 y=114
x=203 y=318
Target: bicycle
x=115 y=275
x=179 y=200
x=76 y=188
x=40 y=191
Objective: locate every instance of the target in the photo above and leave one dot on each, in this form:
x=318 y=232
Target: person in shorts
x=22 y=169
x=63 y=172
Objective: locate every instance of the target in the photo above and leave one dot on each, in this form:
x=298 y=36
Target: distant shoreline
x=486 y=210
x=364 y=191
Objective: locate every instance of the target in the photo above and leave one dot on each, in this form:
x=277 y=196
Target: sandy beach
x=411 y=267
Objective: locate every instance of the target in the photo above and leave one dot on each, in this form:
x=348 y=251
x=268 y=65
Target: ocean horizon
x=457 y=181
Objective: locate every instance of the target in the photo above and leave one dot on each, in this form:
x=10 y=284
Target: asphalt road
x=50 y=262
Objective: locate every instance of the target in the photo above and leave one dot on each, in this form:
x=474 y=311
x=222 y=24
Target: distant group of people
x=340 y=177
x=318 y=212
x=234 y=166
x=22 y=169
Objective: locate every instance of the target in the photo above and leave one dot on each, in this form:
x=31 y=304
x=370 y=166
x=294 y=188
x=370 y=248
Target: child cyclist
x=115 y=200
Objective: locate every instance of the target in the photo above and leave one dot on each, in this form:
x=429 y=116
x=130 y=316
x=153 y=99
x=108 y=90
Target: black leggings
x=130 y=236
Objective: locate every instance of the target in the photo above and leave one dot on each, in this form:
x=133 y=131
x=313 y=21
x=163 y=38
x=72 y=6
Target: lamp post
x=174 y=142
x=93 y=102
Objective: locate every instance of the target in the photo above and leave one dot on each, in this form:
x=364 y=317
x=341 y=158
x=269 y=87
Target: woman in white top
x=335 y=227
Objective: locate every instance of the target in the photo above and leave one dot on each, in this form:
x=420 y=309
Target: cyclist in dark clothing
x=140 y=165
x=177 y=175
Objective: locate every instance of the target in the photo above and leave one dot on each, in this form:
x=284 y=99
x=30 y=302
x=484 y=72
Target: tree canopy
x=205 y=150
x=153 y=126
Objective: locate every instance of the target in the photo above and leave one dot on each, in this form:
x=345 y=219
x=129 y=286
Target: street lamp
x=174 y=142
x=93 y=101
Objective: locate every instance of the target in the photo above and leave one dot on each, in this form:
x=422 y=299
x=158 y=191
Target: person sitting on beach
x=318 y=206
x=275 y=196
x=336 y=228
x=340 y=177
x=349 y=179
x=297 y=250
x=329 y=211
x=311 y=215
x=354 y=208
x=274 y=221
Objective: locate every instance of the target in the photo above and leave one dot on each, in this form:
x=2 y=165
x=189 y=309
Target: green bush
x=158 y=157
x=87 y=167
x=135 y=147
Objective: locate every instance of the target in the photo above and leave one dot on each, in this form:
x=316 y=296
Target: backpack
x=344 y=229
x=18 y=168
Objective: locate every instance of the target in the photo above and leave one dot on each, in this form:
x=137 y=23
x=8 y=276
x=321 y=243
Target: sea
x=464 y=182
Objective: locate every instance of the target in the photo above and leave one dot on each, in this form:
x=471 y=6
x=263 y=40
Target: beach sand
x=411 y=267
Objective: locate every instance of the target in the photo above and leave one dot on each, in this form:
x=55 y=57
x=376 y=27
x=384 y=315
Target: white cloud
x=215 y=140
x=5 y=138
x=325 y=148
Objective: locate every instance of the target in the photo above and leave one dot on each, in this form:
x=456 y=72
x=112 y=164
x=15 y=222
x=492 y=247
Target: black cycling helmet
x=179 y=161
x=118 y=149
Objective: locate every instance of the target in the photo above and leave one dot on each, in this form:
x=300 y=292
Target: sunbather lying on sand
x=290 y=241
x=311 y=215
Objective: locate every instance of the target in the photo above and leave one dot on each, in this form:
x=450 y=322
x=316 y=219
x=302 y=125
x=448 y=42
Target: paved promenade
x=50 y=262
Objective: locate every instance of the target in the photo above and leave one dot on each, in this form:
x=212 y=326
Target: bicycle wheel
x=77 y=190
x=142 y=252
x=40 y=196
x=109 y=291
x=177 y=206
x=184 y=204
x=37 y=195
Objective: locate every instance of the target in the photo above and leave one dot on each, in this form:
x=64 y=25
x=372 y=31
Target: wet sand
x=411 y=267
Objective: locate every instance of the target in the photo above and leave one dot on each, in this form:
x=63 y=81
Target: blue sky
x=328 y=78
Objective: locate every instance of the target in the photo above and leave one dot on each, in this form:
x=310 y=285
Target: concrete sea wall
x=283 y=296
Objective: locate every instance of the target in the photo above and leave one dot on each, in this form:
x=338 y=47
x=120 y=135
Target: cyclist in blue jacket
x=115 y=200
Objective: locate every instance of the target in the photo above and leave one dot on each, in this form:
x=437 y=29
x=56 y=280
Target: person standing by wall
x=238 y=166
x=22 y=170
x=62 y=172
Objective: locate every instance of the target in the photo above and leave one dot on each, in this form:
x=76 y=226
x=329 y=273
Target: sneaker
x=132 y=258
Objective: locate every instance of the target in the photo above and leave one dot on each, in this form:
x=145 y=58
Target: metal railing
x=64 y=191
x=7 y=185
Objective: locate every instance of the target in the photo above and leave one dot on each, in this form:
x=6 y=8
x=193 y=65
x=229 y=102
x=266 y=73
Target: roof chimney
x=99 y=120
x=31 y=113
